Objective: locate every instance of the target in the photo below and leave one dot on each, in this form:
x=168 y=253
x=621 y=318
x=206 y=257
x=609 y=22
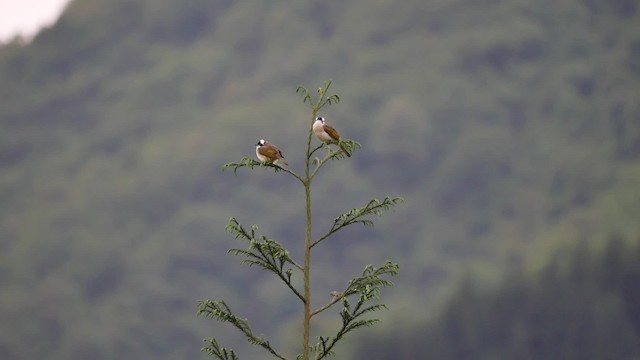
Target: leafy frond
x=338 y=154
x=361 y=323
x=238 y=231
x=322 y=99
x=304 y=92
x=350 y=144
x=322 y=347
x=332 y=99
x=220 y=310
x=213 y=349
x=251 y=163
x=374 y=207
x=369 y=283
x=368 y=287
x=358 y=215
x=263 y=252
x=369 y=309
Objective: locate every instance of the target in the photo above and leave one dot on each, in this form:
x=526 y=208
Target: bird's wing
x=271 y=152
x=335 y=135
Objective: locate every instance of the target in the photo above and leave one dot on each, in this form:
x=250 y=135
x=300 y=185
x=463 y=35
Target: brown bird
x=269 y=153
x=327 y=133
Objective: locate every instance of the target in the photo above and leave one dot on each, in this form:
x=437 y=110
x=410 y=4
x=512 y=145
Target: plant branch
x=371 y=276
x=336 y=296
x=316 y=149
x=251 y=163
x=214 y=349
x=368 y=286
x=221 y=311
x=333 y=154
x=356 y=215
x=265 y=253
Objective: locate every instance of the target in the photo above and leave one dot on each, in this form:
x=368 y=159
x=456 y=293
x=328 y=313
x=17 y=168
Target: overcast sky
x=26 y=17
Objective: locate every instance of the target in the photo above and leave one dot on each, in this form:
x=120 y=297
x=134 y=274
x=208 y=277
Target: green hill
x=507 y=126
x=581 y=304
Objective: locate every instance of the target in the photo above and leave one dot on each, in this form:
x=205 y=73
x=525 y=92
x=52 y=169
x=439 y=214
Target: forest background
x=511 y=128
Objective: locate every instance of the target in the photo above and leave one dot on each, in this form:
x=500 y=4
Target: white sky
x=26 y=17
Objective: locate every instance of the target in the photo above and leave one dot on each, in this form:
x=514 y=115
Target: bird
x=327 y=133
x=269 y=153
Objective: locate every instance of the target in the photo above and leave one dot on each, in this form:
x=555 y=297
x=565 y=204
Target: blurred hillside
x=508 y=127
x=582 y=304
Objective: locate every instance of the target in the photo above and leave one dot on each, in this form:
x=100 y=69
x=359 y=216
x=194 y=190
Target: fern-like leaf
x=250 y=163
x=263 y=252
x=220 y=310
x=367 y=287
x=213 y=349
x=358 y=215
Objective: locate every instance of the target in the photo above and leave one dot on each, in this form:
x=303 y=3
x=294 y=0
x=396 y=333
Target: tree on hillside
x=582 y=305
x=360 y=295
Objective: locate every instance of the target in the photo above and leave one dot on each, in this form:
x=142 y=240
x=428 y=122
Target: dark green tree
x=583 y=304
x=360 y=295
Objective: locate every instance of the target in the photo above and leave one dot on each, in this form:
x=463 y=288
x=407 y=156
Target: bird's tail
x=282 y=160
x=344 y=148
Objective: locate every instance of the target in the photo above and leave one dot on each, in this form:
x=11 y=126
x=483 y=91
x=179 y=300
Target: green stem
x=308 y=177
x=307 y=246
x=307 y=266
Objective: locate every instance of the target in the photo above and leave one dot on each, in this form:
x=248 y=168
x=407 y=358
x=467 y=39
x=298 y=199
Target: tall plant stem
x=307 y=246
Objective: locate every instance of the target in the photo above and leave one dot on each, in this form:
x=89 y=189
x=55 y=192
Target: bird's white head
x=321 y=119
x=261 y=142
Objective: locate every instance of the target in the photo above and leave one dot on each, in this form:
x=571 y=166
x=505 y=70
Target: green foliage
x=367 y=287
x=323 y=98
x=265 y=253
x=357 y=215
x=272 y=256
x=220 y=310
x=214 y=349
x=250 y=163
